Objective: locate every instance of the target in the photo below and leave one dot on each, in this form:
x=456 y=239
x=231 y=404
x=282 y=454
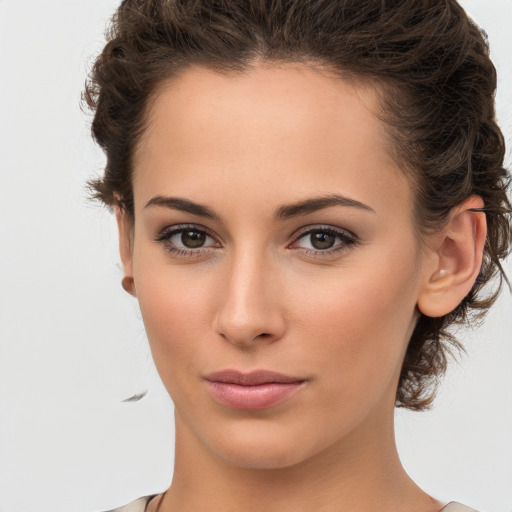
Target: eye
x=323 y=240
x=188 y=240
x=193 y=238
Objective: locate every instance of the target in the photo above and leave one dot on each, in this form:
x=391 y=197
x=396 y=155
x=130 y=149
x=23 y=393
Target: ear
x=457 y=257
x=125 y=228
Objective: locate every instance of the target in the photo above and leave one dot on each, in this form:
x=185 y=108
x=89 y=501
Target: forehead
x=264 y=101
x=270 y=125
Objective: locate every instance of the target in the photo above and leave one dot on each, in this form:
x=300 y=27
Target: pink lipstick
x=255 y=390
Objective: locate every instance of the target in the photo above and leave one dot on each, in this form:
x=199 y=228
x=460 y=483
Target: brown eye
x=322 y=240
x=187 y=241
x=193 y=239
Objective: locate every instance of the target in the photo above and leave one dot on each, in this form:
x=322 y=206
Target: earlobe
x=458 y=258
x=125 y=229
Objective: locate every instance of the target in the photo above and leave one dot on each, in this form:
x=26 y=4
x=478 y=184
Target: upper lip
x=252 y=378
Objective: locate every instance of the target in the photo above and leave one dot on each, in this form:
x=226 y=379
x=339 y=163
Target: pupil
x=192 y=239
x=322 y=240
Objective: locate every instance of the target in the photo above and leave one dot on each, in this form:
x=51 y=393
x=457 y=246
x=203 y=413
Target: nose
x=250 y=310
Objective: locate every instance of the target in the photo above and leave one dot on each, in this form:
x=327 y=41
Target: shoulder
x=457 y=507
x=139 y=505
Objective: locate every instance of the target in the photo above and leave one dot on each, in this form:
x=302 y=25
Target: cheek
x=359 y=324
x=175 y=306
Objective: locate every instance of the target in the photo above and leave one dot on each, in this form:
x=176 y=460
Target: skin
x=259 y=295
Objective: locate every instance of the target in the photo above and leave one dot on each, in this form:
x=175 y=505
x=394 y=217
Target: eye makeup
x=324 y=240
x=194 y=235
x=193 y=240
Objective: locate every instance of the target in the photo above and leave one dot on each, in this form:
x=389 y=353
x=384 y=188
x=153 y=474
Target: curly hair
x=430 y=64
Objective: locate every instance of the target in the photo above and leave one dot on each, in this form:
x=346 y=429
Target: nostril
x=263 y=335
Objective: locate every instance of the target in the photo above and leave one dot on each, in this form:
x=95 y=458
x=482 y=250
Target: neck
x=362 y=473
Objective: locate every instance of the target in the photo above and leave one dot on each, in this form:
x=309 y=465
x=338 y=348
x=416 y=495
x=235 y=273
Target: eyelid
x=348 y=239
x=324 y=227
x=165 y=233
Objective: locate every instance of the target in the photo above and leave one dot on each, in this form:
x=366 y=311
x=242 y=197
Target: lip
x=254 y=390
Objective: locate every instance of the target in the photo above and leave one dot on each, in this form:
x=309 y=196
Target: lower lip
x=252 y=397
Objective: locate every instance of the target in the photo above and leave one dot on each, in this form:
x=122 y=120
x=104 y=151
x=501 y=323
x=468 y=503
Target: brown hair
x=428 y=59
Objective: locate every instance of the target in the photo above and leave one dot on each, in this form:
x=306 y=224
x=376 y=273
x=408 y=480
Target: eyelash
x=165 y=239
x=347 y=239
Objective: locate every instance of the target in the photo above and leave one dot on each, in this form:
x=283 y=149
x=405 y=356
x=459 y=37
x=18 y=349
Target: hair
x=427 y=59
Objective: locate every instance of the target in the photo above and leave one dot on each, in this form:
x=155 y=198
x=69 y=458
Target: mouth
x=255 y=390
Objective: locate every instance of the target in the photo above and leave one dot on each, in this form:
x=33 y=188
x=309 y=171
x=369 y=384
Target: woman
x=308 y=195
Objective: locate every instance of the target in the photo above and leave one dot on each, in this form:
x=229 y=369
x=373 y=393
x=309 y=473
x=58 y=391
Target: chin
x=259 y=446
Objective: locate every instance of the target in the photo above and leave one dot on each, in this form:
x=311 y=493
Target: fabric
x=141 y=505
x=457 y=507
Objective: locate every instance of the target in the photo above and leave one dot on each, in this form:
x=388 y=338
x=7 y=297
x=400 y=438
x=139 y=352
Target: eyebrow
x=184 y=205
x=284 y=212
x=318 y=203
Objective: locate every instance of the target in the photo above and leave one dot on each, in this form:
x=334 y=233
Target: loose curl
x=427 y=59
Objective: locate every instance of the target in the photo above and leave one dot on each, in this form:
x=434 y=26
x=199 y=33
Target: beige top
x=144 y=505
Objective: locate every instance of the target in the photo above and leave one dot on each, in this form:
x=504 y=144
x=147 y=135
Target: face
x=273 y=232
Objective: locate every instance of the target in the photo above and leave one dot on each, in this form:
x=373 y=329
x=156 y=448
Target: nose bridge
x=248 y=309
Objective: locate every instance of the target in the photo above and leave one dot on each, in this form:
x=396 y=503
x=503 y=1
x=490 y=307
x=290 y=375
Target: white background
x=72 y=346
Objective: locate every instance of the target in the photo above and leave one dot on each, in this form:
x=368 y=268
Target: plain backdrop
x=72 y=345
